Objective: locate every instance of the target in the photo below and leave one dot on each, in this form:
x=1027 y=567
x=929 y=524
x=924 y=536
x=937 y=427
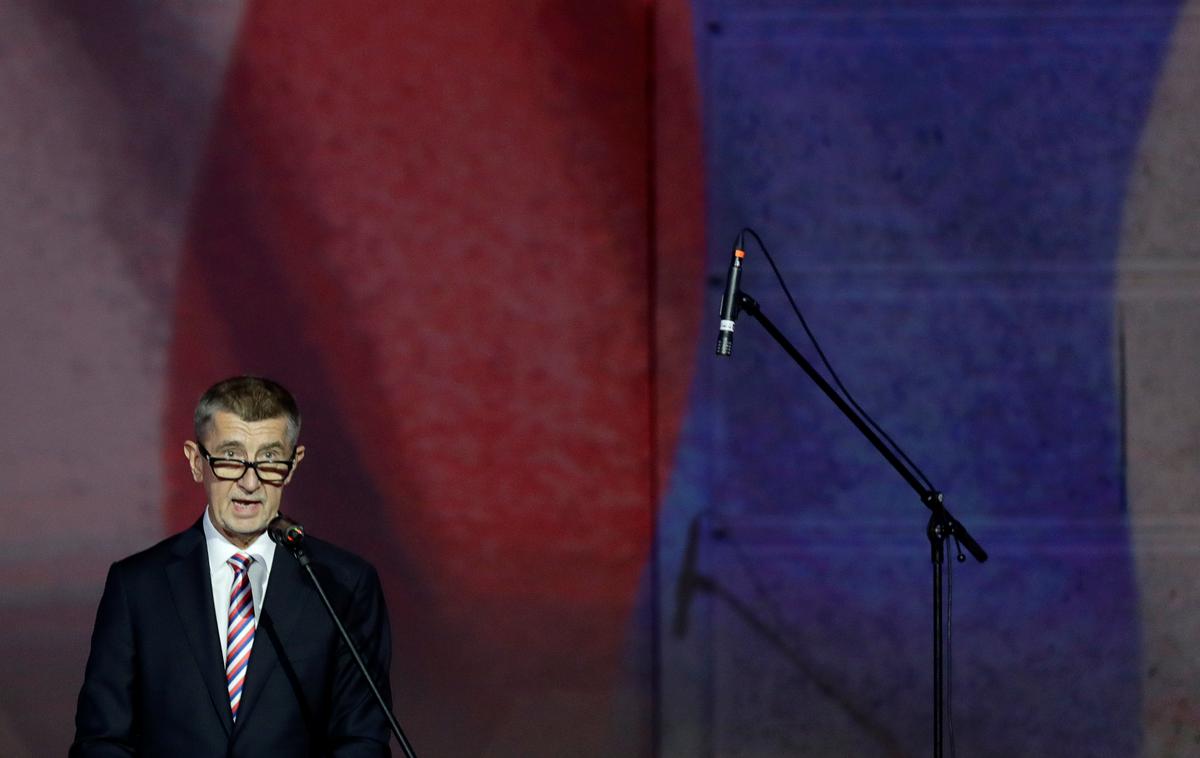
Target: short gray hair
x=250 y=398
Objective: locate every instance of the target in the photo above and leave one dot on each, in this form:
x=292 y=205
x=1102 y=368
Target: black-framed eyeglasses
x=232 y=469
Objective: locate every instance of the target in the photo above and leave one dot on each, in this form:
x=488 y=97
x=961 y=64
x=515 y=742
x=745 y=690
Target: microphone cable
x=899 y=451
x=829 y=367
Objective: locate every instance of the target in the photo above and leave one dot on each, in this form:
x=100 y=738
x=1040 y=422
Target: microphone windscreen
x=284 y=531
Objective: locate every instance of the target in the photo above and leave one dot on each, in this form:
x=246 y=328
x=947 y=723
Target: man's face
x=242 y=509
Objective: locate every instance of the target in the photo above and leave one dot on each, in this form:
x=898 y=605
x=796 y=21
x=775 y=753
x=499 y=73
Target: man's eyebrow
x=240 y=448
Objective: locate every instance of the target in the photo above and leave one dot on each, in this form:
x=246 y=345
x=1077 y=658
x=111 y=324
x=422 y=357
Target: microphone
x=685 y=588
x=729 y=305
x=284 y=531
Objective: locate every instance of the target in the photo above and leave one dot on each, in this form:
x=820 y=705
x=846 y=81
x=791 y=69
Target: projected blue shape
x=943 y=189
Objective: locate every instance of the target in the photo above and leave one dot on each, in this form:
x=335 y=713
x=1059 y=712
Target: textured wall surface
x=106 y=114
x=1160 y=327
x=472 y=237
x=439 y=224
x=958 y=194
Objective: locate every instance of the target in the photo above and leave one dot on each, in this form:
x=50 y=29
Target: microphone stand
x=942 y=525
x=296 y=548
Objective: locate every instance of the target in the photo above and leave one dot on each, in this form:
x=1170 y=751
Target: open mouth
x=246 y=507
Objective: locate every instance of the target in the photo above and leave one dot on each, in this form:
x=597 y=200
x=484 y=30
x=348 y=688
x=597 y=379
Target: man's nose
x=249 y=480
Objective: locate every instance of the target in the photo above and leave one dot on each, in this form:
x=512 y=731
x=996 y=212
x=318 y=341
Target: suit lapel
x=191 y=590
x=281 y=611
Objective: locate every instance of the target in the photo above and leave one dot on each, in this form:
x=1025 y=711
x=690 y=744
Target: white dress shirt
x=220 y=550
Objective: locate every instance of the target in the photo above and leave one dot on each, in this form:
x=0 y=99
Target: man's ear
x=195 y=460
x=296 y=458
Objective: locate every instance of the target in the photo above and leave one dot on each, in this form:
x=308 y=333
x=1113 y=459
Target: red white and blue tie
x=240 y=634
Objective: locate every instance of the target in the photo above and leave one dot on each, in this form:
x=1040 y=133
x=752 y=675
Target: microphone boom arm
x=932 y=499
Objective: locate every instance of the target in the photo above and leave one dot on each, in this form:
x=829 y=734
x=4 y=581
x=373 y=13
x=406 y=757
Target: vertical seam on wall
x=651 y=180
x=1122 y=407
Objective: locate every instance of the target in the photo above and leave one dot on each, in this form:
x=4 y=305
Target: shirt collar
x=220 y=549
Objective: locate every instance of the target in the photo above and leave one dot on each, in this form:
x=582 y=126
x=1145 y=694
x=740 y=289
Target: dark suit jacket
x=155 y=680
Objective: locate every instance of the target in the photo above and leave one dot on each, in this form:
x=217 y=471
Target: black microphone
x=729 y=305
x=286 y=532
x=685 y=587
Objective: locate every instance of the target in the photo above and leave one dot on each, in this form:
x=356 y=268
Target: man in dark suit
x=214 y=643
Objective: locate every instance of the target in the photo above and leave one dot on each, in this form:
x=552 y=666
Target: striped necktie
x=240 y=636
